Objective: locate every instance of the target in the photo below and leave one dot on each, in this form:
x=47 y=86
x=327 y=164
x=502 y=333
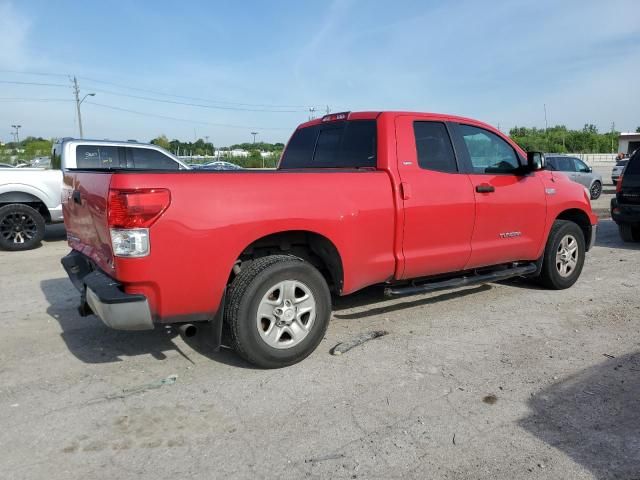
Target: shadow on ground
x=373 y=296
x=609 y=237
x=594 y=417
x=92 y=342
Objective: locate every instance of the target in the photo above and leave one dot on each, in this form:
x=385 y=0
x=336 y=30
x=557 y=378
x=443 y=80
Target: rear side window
x=148 y=159
x=488 y=152
x=347 y=144
x=96 y=156
x=433 y=147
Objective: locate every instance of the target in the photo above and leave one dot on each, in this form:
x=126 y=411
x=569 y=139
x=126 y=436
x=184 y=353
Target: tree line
x=560 y=139
x=557 y=139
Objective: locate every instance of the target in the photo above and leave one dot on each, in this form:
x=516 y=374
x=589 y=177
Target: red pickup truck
x=414 y=201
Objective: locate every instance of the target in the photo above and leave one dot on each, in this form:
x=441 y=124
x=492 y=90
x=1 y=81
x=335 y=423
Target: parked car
x=578 y=171
x=30 y=197
x=416 y=202
x=618 y=169
x=41 y=162
x=220 y=165
x=625 y=207
x=5 y=165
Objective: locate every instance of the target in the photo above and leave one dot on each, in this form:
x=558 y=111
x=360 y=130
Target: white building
x=628 y=142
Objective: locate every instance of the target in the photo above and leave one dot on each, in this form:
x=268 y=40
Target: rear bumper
x=105 y=296
x=626 y=214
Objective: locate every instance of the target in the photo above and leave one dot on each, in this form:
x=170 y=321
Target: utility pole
x=545 y=118
x=311 y=112
x=328 y=110
x=17 y=127
x=76 y=92
x=206 y=139
x=613 y=129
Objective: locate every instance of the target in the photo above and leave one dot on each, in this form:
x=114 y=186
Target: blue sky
x=260 y=65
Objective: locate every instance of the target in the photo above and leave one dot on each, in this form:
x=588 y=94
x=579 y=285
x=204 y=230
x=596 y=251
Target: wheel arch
x=314 y=247
x=580 y=218
x=25 y=198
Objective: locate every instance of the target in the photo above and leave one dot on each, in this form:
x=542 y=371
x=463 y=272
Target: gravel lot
x=498 y=381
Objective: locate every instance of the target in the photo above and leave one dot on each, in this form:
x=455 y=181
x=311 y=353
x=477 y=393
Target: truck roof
x=373 y=114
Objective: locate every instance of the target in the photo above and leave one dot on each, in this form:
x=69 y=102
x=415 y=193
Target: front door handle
x=485 y=188
x=76 y=197
x=405 y=190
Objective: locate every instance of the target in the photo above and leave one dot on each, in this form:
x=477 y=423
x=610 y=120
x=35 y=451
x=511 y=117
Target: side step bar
x=463 y=281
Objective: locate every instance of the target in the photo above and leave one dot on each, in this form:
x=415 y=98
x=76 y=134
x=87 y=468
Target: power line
x=18 y=99
x=36 y=73
x=151 y=99
x=224 y=102
x=175 y=102
x=183 y=119
x=13 y=82
x=152 y=92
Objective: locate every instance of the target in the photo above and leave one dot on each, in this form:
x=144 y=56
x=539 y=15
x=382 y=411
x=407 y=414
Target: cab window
x=433 y=147
x=149 y=159
x=488 y=152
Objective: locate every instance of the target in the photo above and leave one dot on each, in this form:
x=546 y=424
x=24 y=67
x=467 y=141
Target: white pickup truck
x=30 y=198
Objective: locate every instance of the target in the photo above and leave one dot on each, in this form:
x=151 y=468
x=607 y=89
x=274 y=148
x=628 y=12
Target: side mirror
x=535 y=161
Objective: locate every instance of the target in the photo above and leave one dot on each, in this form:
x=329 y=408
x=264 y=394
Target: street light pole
x=17 y=127
x=76 y=91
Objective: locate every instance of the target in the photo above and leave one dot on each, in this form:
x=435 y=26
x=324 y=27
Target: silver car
x=576 y=170
x=618 y=169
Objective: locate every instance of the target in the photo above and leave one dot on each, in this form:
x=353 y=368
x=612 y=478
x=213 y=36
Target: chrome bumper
x=105 y=297
x=132 y=315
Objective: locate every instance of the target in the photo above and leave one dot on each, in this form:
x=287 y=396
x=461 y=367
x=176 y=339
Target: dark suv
x=625 y=207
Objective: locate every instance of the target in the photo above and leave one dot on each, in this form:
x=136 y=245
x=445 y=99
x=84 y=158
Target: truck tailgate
x=84 y=206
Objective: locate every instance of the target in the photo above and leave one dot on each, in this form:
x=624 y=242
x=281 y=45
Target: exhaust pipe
x=188 y=330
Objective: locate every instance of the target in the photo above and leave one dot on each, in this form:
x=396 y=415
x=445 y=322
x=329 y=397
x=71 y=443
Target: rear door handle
x=485 y=188
x=76 y=197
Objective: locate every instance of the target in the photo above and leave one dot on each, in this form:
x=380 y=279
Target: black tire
x=629 y=233
x=245 y=295
x=596 y=190
x=550 y=275
x=21 y=227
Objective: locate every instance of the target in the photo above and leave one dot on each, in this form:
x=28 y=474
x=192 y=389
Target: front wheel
x=596 y=190
x=278 y=309
x=563 y=256
x=21 y=227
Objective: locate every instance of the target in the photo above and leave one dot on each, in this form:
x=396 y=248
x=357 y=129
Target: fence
x=596 y=158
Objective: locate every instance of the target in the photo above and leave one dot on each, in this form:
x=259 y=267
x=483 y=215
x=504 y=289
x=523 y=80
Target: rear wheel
x=278 y=309
x=596 y=190
x=563 y=256
x=21 y=227
x=629 y=233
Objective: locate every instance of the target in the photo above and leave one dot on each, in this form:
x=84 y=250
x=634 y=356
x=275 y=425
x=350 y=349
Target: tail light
x=130 y=213
x=619 y=184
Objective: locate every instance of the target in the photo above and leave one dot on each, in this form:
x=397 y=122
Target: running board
x=464 y=281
